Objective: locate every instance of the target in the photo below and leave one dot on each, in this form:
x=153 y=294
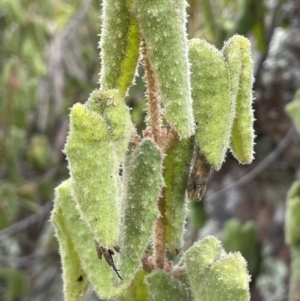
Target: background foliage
x=49 y=60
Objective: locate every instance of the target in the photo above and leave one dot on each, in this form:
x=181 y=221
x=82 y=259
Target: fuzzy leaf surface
x=162 y=24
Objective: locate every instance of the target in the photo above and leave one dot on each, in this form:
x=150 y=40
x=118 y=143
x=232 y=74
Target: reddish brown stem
x=155 y=126
x=152 y=93
x=159 y=236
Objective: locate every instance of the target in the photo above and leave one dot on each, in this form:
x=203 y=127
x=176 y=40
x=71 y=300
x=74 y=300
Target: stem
x=152 y=93
x=155 y=124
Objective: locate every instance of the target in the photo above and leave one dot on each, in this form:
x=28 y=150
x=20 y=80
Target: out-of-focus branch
x=24 y=261
x=258 y=169
x=26 y=222
x=260 y=62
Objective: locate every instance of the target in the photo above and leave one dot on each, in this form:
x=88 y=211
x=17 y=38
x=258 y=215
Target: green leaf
x=162 y=26
x=119 y=46
x=112 y=107
x=137 y=291
x=198 y=258
x=94 y=174
x=295 y=274
x=99 y=135
x=292 y=233
x=98 y=271
x=176 y=173
x=142 y=183
x=74 y=278
x=162 y=286
x=238 y=51
x=294 y=190
x=213 y=107
x=232 y=54
x=214 y=275
x=227 y=279
x=293 y=110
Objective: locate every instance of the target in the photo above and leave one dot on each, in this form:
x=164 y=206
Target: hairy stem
x=155 y=124
x=152 y=93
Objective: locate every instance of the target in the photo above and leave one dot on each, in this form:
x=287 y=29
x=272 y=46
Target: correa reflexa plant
x=125 y=203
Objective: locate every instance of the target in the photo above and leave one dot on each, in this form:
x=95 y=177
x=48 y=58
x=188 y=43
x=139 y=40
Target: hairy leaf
x=74 y=278
x=162 y=24
x=94 y=173
x=177 y=167
x=237 y=49
x=292 y=233
x=143 y=183
x=214 y=275
x=99 y=273
x=119 y=46
x=213 y=107
x=162 y=286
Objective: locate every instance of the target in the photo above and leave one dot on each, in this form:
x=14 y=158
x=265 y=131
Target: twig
x=155 y=123
x=160 y=235
x=26 y=222
x=24 y=261
x=262 y=58
x=42 y=284
x=49 y=173
x=258 y=169
x=154 y=109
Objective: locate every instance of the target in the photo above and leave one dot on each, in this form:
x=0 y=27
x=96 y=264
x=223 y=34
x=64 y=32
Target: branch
x=154 y=109
x=155 y=124
x=26 y=222
x=258 y=169
x=24 y=261
x=260 y=62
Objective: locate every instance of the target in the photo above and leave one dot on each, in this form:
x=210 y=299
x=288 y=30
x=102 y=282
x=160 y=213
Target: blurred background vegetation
x=49 y=60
